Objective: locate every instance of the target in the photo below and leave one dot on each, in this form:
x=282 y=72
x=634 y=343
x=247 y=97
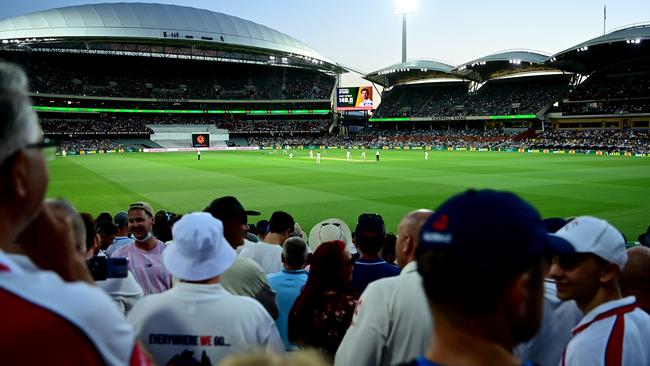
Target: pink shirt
x=147 y=267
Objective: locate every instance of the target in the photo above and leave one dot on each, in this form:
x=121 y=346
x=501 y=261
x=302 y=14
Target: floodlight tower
x=403 y=8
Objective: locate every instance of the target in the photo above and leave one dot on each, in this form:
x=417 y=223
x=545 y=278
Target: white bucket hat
x=328 y=230
x=588 y=234
x=199 y=250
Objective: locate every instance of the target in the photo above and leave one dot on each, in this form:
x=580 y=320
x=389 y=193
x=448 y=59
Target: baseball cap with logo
x=228 y=207
x=121 y=219
x=142 y=206
x=491 y=232
x=588 y=234
x=199 y=250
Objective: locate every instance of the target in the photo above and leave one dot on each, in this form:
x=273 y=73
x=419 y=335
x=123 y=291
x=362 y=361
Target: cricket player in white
x=311 y=154
x=318 y=158
x=291 y=155
x=347 y=155
x=363 y=155
x=426 y=155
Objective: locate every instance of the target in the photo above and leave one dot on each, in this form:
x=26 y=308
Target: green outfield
x=614 y=188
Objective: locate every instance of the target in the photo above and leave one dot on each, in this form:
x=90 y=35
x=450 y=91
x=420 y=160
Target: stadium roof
x=153 y=23
x=620 y=46
x=503 y=63
x=410 y=71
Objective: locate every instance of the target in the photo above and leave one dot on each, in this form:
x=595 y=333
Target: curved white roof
x=150 y=21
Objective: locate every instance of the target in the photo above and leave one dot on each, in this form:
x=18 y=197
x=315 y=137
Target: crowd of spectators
x=602 y=139
x=273 y=126
x=498 y=287
x=135 y=78
x=610 y=93
x=99 y=126
x=498 y=97
x=88 y=145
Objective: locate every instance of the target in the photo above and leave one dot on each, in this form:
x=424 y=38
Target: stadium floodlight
x=404 y=7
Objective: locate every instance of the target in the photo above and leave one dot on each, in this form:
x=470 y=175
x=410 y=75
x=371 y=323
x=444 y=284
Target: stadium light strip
x=181 y=111
x=516 y=116
x=398 y=119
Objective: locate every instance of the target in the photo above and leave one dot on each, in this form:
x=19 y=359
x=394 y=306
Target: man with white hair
x=198 y=321
x=48 y=313
x=288 y=283
x=614 y=330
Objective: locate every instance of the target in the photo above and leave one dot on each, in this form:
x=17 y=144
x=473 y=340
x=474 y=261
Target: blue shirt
x=368 y=270
x=287 y=286
x=118 y=242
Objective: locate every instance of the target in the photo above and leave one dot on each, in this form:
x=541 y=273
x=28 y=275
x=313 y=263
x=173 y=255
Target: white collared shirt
x=614 y=333
x=391 y=325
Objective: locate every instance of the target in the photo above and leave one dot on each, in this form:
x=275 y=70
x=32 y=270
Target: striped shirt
x=614 y=333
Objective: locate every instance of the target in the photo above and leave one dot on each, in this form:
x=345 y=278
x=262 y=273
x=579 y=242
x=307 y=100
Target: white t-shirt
x=84 y=306
x=204 y=323
x=124 y=291
x=268 y=256
x=392 y=323
x=614 y=333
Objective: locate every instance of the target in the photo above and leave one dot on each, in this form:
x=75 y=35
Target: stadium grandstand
x=118 y=71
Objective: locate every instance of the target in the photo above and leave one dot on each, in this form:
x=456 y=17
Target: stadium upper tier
x=511 y=96
x=137 y=77
x=157 y=29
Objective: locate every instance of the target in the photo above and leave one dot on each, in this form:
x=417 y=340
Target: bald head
x=408 y=232
x=635 y=278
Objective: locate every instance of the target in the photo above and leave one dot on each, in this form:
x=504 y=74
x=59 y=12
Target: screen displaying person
x=366 y=99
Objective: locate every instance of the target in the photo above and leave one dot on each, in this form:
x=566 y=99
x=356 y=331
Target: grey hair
x=18 y=121
x=78 y=226
x=294 y=251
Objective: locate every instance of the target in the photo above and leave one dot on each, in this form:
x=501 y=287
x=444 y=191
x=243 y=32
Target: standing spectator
x=392 y=323
x=288 y=283
x=210 y=322
x=323 y=311
x=244 y=277
x=268 y=253
x=369 y=238
x=483 y=276
x=145 y=254
x=558 y=318
x=121 y=221
x=635 y=279
x=106 y=233
x=614 y=331
x=49 y=313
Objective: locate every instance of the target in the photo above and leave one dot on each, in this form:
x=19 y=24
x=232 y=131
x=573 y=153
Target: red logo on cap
x=441 y=223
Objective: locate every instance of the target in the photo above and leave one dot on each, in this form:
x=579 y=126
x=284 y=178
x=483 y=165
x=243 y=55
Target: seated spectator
x=392 y=323
x=121 y=221
x=614 y=330
x=42 y=318
x=268 y=253
x=288 y=283
x=369 y=239
x=209 y=322
x=635 y=278
x=323 y=311
x=145 y=253
x=483 y=277
x=244 y=277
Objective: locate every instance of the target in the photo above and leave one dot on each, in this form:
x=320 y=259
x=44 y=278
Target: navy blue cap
x=490 y=231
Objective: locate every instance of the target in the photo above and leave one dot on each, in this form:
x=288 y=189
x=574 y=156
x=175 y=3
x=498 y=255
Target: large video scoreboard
x=354 y=99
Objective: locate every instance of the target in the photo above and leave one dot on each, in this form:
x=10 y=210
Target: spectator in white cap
x=197 y=321
x=614 y=330
x=329 y=230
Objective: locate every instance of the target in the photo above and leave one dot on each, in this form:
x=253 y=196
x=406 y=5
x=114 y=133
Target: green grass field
x=614 y=188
